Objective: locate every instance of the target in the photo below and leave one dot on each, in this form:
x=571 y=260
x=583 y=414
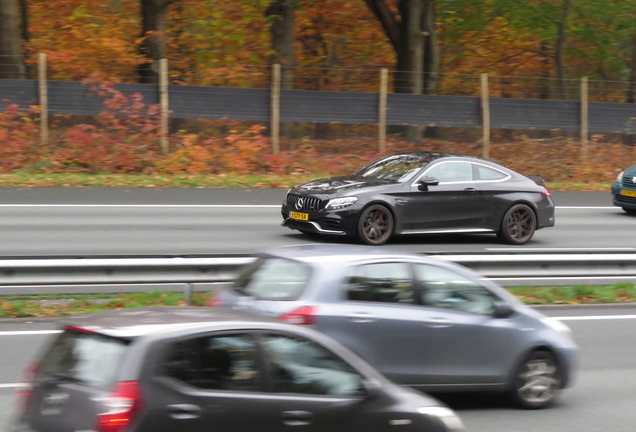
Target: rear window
x=273 y=279
x=88 y=358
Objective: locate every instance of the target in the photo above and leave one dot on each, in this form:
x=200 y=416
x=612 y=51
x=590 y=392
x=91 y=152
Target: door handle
x=438 y=322
x=184 y=411
x=297 y=418
x=470 y=190
x=361 y=317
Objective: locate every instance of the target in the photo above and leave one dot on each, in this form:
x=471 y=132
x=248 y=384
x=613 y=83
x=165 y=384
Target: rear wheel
x=375 y=225
x=518 y=225
x=537 y=381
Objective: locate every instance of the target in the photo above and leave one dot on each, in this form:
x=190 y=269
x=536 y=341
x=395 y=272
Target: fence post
x=485 y=116
x=163 y=98
x=384 y=79
x=584 y=115
x=275 y=109
x=187 y=294
x=44 y=99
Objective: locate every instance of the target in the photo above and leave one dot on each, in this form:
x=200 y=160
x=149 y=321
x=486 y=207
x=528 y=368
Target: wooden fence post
x=163 y=95
x=44 y=99
x=384 y=78
x=275 y=109
x=584 y=116
x=485 y=116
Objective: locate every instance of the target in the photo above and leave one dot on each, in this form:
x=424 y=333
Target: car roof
x=429 y=156
x=136 y=322
x=336 y=253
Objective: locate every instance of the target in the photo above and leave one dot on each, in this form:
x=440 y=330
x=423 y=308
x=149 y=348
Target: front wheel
x=518 y=225
x=375 y=225
x=630 y=211
x=537 y=381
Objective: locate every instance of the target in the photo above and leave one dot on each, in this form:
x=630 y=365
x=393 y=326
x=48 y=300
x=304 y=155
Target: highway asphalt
x=601 y=398
x=151 y=222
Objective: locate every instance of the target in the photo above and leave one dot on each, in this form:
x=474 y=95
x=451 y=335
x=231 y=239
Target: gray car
x=422 y=322
x=192 y=369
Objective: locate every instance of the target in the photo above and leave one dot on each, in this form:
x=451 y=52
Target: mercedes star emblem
x=299 y=203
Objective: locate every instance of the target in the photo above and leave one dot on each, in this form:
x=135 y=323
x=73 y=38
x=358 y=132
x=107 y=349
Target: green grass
x=66 y=305
x=203 y=181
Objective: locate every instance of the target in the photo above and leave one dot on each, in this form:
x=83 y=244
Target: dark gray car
x=421 y=321
x=194 y=370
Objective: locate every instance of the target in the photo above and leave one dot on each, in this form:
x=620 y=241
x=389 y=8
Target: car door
x=312 y=389
x=378 y=317
x=460 y=342
x=453 y=203
x=207 y=383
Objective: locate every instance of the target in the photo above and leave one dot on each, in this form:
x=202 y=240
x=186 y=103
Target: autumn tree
x=153 y=47
x=11 y=62
x=411 y=31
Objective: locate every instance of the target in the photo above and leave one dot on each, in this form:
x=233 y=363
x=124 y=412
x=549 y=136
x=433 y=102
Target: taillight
x=545 y=192
x=122 y=404
x=23 y=393
x=215 y=300
x=304 y=315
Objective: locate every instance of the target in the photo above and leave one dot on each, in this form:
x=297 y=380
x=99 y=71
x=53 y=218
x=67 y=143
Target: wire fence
x=358 y=79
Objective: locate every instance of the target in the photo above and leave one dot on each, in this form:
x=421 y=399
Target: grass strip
x=67 y=305
x=204 y=181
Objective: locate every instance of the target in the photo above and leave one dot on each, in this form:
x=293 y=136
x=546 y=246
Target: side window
x=442 y=288
x=215 y=363
x=485 y=173
x=298 y=365
x=451 y=172
x=382 y=282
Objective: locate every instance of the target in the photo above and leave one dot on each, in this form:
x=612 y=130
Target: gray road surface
x=119 y=221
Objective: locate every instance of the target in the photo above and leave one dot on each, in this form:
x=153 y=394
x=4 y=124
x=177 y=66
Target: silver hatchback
x=421 y=321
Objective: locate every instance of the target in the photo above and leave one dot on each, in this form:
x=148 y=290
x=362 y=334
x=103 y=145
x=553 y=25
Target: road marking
x=562 y=249
x=586 y=208
x=229 y=206
x=594 y=318
x=12 y=385
x=29 y=332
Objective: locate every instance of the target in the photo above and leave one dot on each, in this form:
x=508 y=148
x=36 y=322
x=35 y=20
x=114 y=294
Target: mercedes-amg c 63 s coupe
x=422 y=192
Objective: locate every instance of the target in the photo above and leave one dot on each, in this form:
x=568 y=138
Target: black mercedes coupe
x=422 y=193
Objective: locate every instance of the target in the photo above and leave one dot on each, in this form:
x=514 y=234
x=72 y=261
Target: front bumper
x=341 y=222
x=622 y=200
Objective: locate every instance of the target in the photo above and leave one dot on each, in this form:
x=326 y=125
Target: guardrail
x=111 y=275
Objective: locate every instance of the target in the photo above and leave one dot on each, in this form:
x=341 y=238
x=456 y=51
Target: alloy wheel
x=518 y=225
x=538 y=381
x=375 y=225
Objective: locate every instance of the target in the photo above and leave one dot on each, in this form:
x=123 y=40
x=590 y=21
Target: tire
x=375 y=225
x=537 y=381
x=629 y=211
x=518 y=225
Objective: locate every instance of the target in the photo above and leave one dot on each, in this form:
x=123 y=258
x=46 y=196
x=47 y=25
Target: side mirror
x=427 y=181
x=502 y=309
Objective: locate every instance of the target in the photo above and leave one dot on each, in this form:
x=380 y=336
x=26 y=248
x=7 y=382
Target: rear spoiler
x=537 y=180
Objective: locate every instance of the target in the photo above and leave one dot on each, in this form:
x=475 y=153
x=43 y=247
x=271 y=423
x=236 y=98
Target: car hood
x=336 y=185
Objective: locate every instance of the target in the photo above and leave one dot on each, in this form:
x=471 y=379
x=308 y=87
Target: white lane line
x=591 y=249
x=594 y=318
x=12 y=385
x=230 y=206
x=29 y=332
x=585 y=208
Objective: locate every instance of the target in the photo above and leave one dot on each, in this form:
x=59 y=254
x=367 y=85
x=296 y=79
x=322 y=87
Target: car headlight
x=285 y=200
x=557 y=326
x=445 y=415
x=620 y=177
x=338 y=203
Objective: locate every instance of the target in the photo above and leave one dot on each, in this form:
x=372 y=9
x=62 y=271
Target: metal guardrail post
x=384 y=78
x=187 y=294
x=44 y=99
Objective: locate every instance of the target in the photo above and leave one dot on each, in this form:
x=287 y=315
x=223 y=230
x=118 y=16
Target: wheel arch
x=512 y=374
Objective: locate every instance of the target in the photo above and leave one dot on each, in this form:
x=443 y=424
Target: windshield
x=273 y=279
x=399 y=168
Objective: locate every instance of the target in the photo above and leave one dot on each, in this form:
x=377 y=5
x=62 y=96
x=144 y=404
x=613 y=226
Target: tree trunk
x=629 y=139
x=281 y=15
x=431 y=48
x=558 y=49
x=11 y=61
x=154 y=24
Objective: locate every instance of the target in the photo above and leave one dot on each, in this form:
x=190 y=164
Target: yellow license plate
x=629 y=193
x=299 y=216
